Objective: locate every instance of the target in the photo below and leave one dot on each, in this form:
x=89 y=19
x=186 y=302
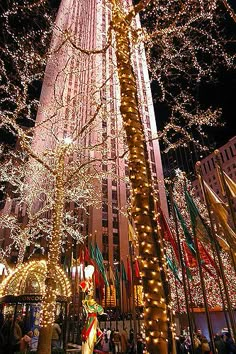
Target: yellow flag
x=223 y=177
x=230 y=184
x=131 y=233
x=221 y=214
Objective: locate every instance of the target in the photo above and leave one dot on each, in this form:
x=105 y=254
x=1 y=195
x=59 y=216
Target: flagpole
x=94 y=242
x=178 y=306
x=171 y=334
x=117 y=308
x=223 y=301
x=191 y=303
x=202 y=281
x=182 y=267
x=110 y=300
x=111 y=308
x=229 y=200
x=221 y=268
x=106 y=295
x=132 y=292
x=122 y=294
x=137 y=300
x=226 y=188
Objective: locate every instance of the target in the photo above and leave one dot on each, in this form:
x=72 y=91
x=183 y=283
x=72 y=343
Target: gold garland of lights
x=143 y=212
x=15 y=283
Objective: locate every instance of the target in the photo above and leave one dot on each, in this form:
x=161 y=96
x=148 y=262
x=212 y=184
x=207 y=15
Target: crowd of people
x=115 y=341
x=13 y=336
x=223 y=344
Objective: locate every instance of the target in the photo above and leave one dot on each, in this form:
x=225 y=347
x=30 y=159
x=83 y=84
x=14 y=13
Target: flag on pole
x=117 y=282
x=206 y=257
x=131 y=232
x=110 y=275
x=188 y=237
x=221 y=214
x=91 y=251
x=168 y=235
x=223 y=177
x=199 y=227
x=190 y=251
x=190 y=260
x=129 y=277
x=173 y=267
x=99 y=261
x=123 y=273
x=99 y=284
x=136 y=269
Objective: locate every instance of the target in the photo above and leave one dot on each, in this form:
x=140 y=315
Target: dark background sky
x=219 y=94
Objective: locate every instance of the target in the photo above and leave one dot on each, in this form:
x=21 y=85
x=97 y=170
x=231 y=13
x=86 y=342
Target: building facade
x=227 y=156
x=80 y=100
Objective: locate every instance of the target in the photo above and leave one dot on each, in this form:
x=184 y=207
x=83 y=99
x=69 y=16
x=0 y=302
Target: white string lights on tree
x=185 y=45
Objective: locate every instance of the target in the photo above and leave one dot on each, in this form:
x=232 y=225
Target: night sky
x=218 y=94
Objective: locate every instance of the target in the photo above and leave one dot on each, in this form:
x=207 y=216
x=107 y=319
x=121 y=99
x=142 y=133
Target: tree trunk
x=44 y=346
x=49 y=297
x=21 y=253
x=143 y=204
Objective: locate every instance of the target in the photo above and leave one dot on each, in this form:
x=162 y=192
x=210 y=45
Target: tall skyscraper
x=82 y=87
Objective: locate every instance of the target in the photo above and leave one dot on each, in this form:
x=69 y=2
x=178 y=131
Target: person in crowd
x=230 y=344
x=182 y=345
x=197 y=344
x=17 y=334
x=25 y=342
x=220 y=344
x=111 y=342
x=205 y=346
x=105 y=342
x=124 y=340
x=131 y=335
x=56 y=332
x=108 y=334
x=6 y=334
x=117 y=341
x=140 y=344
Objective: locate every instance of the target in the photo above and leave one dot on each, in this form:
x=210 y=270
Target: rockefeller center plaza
x=117 y=176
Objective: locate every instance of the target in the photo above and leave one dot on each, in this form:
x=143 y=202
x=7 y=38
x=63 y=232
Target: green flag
x=173 y=268
x=99 y=261
x=188 y=237
x=117 y=282
x=200 y=228
x=123 y=273
x=91 y=251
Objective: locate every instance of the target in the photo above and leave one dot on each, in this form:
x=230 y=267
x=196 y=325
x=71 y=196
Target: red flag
x=99 y=284
x=129 y=277
x=136 y=269
x=86 y=255
x=190 y=260
x=206 y=257
x=168 y=234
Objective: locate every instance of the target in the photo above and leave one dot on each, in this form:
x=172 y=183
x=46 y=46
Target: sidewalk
x=73 y=348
